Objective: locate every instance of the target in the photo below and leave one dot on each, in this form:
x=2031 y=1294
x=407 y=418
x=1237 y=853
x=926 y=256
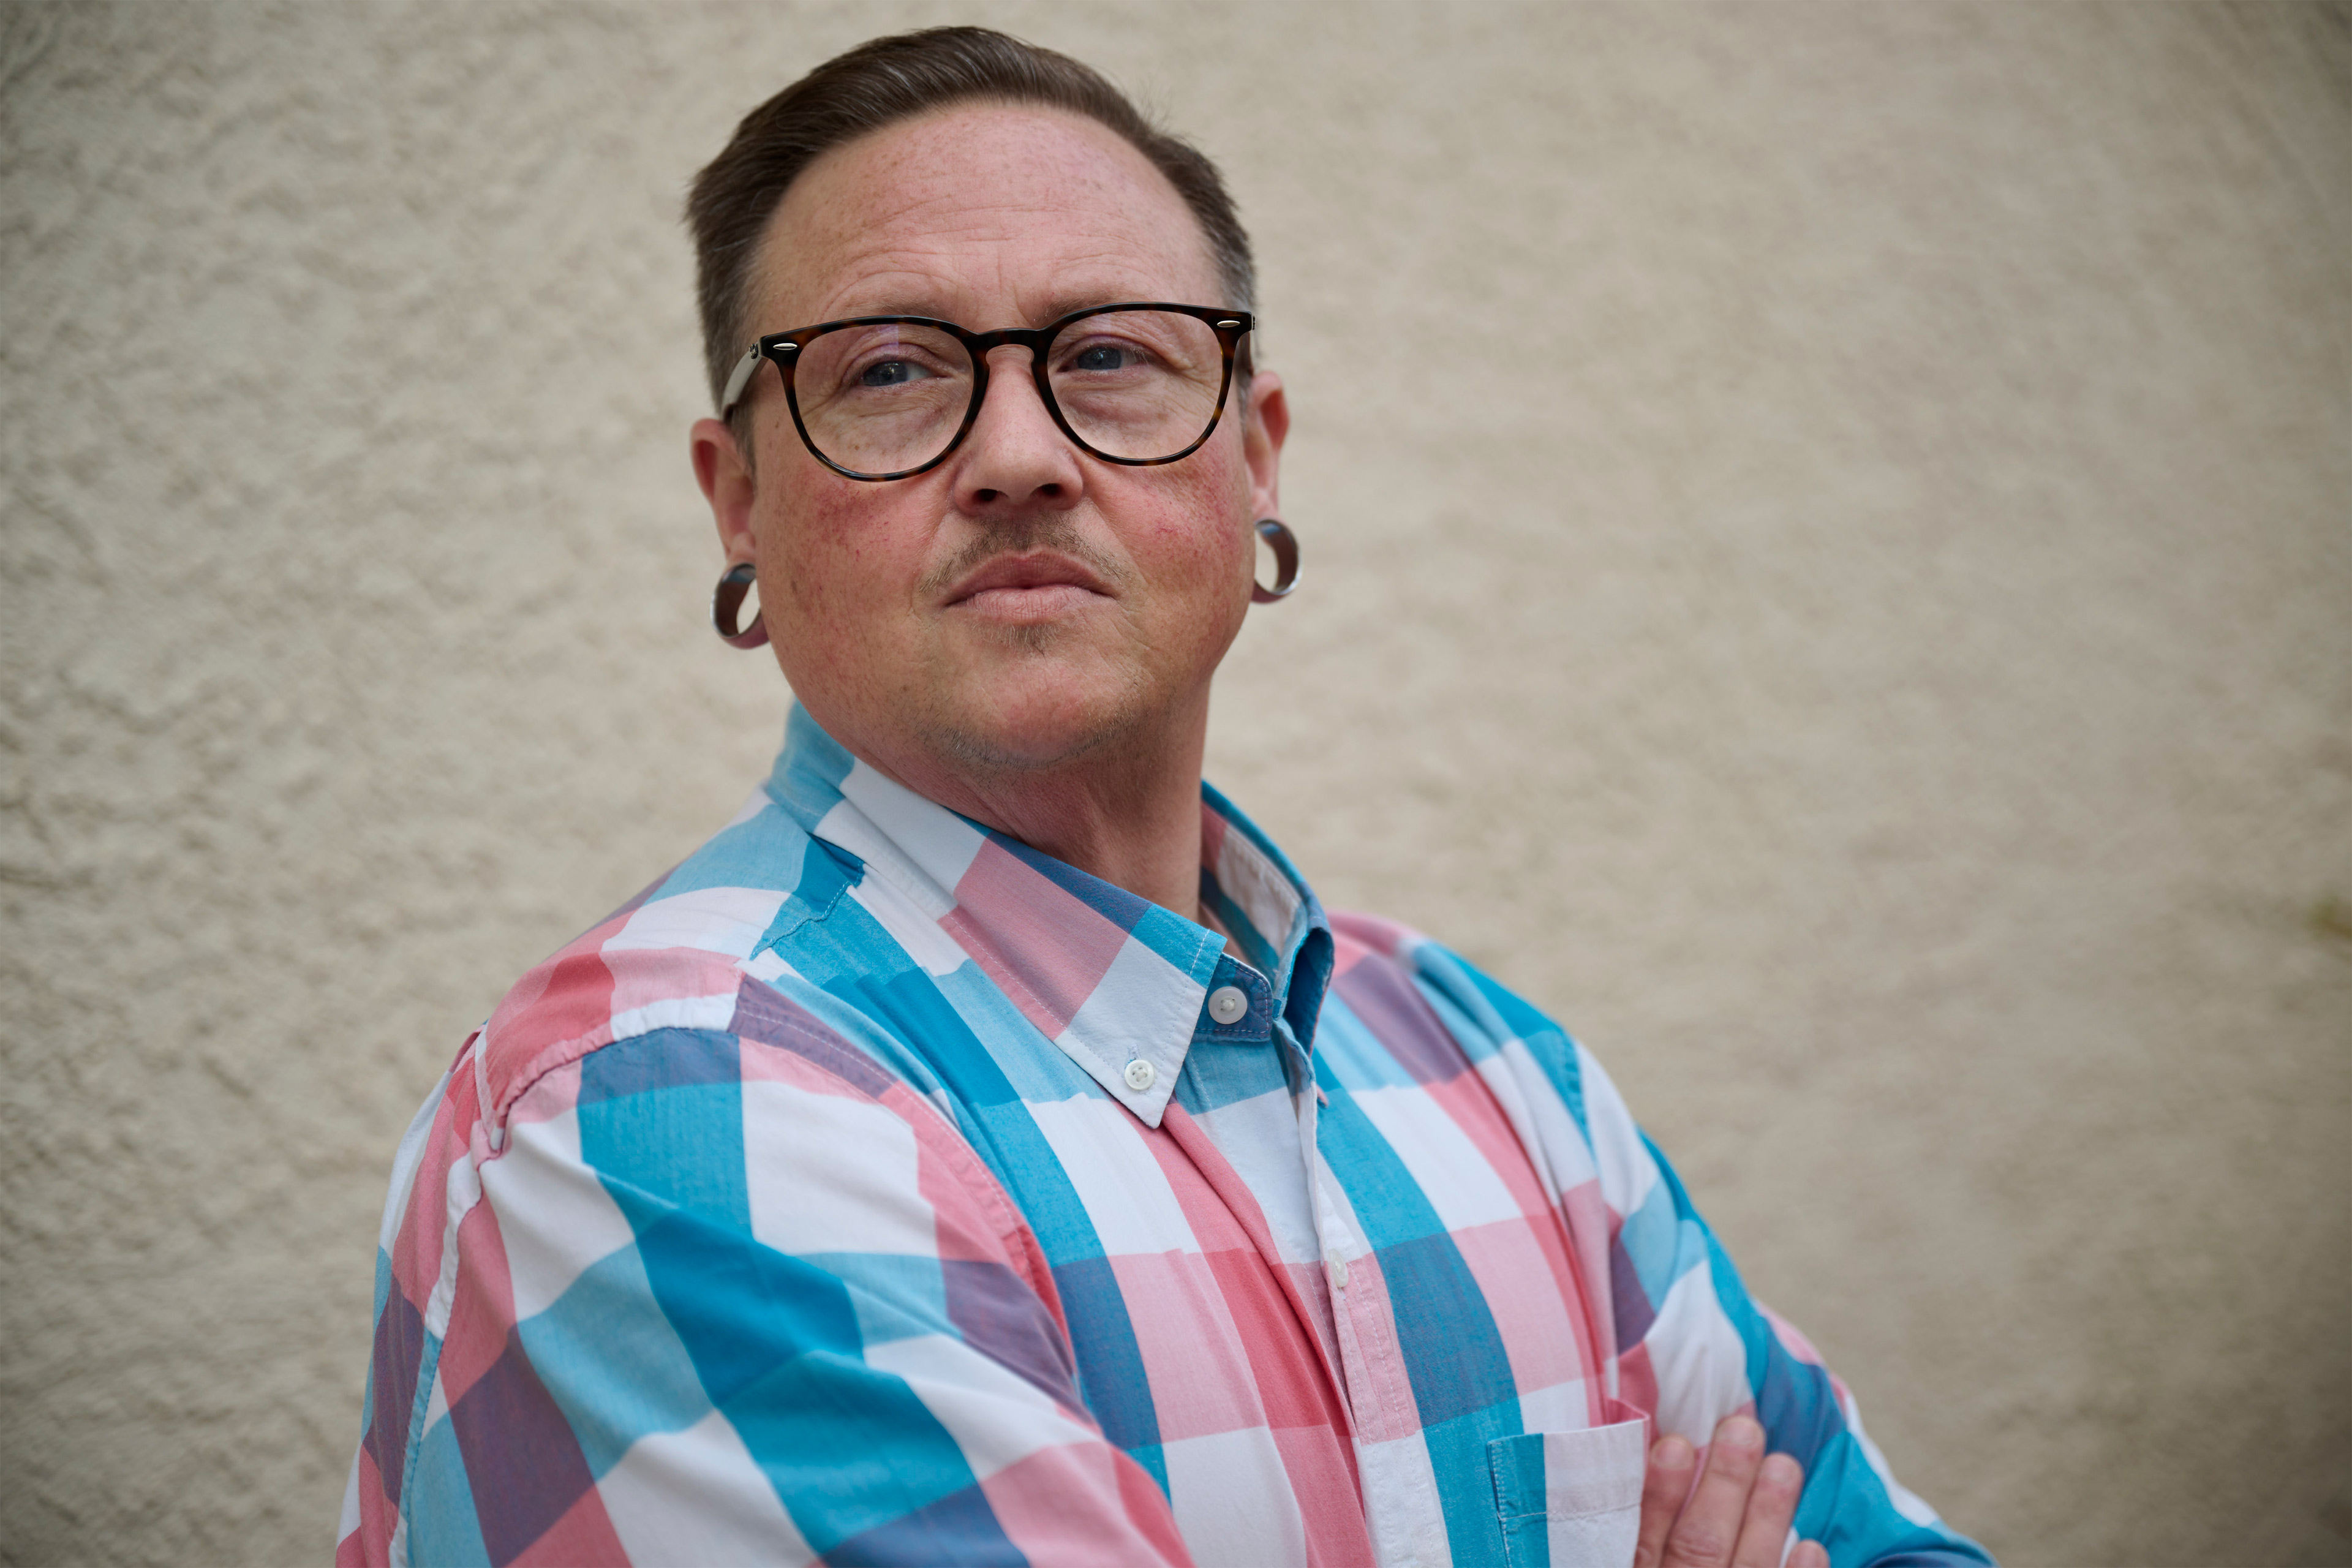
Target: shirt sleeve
x=1693 y=1346
x=706 y=1300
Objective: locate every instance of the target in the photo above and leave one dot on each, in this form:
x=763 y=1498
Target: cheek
x=1200 y=542
x=840 y=622
x=830 y=555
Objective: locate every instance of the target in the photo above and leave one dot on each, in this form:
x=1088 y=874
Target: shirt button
x=1226 y=1003
x=1139 y=1075
x=1337 y=1267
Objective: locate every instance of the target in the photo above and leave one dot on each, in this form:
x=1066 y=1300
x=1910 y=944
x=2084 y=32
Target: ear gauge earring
x=1277 y=534
x=727 y=601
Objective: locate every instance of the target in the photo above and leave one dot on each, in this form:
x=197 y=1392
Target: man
x=985 y=1149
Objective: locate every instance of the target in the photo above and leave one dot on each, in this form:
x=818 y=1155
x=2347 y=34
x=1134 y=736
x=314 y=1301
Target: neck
x=1126 y=809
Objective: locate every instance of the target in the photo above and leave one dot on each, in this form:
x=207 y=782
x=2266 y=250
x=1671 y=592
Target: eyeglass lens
x=886 y=397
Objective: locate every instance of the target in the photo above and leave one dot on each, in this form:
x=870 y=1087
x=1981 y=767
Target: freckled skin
x=1072 y=717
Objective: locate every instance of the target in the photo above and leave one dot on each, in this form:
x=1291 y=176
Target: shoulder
x=1395 y=979
x=1430 y=1012
x=672 y=1061
x=695 y=952
x=1490 y=1010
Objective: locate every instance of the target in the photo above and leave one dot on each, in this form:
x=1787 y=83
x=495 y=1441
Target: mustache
x=1057 y=534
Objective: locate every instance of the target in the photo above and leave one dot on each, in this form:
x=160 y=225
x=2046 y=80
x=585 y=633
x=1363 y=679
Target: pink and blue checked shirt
x=873 y=1189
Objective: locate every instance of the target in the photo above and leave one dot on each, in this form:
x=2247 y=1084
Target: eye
x=1121 y=353
x=891 y=372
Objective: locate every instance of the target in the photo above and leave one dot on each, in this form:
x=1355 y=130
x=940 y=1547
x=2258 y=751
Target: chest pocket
x=1571 y=1499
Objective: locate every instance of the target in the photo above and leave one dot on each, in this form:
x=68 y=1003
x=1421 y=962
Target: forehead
x=991 y=215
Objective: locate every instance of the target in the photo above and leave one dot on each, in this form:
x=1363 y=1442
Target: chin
x=1033 y=719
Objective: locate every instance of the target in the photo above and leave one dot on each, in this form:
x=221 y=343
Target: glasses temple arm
x=744 y=368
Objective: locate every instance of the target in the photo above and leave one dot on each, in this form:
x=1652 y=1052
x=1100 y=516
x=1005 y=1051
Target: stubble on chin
x=964 y=726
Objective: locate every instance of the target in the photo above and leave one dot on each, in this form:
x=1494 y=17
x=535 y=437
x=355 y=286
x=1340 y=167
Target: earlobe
x=726 y=484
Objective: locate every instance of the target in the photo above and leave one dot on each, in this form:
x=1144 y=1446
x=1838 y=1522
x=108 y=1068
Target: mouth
x=1034 y=585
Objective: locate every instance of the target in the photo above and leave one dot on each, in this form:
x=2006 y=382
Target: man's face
x=1023 y=605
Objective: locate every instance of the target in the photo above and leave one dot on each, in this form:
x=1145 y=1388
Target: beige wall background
x=1828 y=564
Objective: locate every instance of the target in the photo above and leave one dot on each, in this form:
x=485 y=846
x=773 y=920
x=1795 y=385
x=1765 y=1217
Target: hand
x=1738 y=1517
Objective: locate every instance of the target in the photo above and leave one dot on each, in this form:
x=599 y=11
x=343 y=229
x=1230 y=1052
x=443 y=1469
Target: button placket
x=1331 y=1221
x=1359 y=1367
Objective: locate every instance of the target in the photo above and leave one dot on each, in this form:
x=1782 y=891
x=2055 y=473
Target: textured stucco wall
x=1829 y=539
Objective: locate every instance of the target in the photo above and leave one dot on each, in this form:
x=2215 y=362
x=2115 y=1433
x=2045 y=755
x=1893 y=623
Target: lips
x=1032 y=585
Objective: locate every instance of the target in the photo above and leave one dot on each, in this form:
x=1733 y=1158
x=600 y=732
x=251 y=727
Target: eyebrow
x=1063 y=305
x=1058 y=307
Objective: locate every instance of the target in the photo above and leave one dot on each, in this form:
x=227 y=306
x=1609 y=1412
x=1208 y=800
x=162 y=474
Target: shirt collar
x=1110 y=978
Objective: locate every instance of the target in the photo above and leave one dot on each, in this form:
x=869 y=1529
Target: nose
x=1015 y=461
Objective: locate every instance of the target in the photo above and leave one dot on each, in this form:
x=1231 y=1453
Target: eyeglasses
x=886 y=398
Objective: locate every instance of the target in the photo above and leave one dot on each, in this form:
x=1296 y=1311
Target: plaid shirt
x=876 y=1189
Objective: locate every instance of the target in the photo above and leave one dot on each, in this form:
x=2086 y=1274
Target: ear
x=727 y=485
x=1262 y=431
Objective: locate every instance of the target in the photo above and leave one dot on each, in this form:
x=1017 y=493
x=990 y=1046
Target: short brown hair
x=884 y=81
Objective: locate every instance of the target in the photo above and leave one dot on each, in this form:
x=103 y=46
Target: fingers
x=1664 y=1486
x=1771 y=1507
x=1709 y=1528
x=1737 y=1517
